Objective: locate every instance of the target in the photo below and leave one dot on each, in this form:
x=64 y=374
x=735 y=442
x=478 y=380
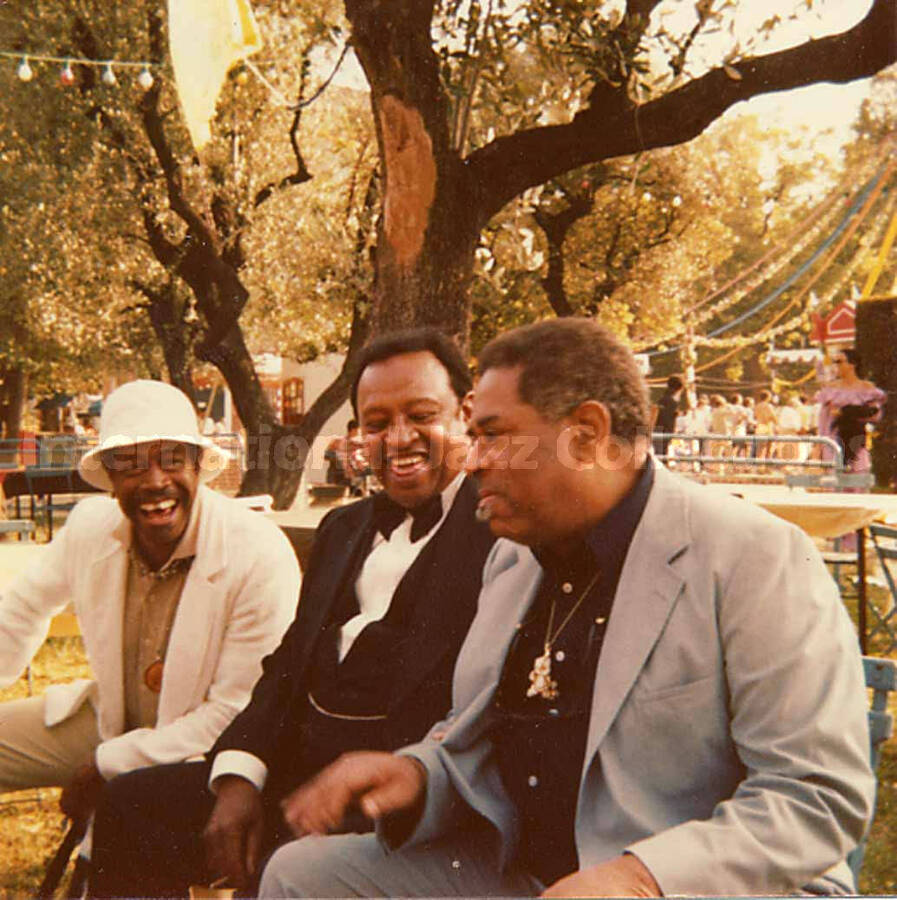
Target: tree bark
x=427 y=233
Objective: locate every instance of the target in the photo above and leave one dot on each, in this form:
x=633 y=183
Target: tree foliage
x=188 y=241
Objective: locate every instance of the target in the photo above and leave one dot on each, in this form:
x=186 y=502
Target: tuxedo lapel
x=338 y=558
x=646 y=593
x=446 y=578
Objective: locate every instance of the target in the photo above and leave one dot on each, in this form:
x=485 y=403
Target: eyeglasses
x=135 y=459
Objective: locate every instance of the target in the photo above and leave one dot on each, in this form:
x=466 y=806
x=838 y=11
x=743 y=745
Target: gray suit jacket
x=728 y=744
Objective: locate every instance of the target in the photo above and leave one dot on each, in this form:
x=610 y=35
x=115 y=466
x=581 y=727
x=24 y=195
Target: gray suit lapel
x=646 y=593
x=503 y=603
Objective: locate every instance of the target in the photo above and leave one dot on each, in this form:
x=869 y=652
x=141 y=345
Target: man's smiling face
x=155 y=484
x=412 y=425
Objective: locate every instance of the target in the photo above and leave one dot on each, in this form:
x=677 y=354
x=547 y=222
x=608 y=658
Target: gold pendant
x=541 y=684
x=152 y=677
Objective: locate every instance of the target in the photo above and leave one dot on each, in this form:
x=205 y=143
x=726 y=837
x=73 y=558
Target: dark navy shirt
x=540 y=743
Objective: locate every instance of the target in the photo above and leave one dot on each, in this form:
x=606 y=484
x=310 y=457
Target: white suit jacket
x=238 y=599
x=727 y=744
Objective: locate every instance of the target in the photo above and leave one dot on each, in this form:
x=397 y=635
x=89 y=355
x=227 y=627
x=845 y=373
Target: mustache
x=156 y=496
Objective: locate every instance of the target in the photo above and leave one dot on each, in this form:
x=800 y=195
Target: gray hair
x=564 y=362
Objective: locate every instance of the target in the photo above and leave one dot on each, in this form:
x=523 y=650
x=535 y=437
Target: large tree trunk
x=876 y=338
x=429 y=226
x=426 y=284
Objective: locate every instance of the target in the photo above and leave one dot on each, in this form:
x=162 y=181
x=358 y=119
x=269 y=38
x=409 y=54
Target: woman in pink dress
x=846 y=406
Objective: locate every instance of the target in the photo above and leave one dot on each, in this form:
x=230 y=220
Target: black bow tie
x=388 y=515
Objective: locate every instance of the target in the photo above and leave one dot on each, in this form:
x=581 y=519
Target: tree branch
x=677 y=63
x=300 y=176
x=509 y=165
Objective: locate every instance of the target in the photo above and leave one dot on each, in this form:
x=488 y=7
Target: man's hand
x=233 y=834
x=379 y=784
x=80 y=796
x=624 y=876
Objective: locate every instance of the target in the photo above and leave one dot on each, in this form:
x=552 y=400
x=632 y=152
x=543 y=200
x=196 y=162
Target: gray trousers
x=356 y=865
x=33 y=755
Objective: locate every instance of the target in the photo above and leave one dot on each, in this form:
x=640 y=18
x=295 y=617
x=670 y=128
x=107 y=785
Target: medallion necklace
x=541 y=684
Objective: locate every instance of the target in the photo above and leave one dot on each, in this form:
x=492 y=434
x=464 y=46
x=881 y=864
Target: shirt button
x=560 y=656
x=567 y=588
x=600 y=620
x=532 y=781
x=553 y=712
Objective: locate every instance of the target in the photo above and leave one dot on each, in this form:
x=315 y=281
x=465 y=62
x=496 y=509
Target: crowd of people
x=744 y=426
x=536 y=662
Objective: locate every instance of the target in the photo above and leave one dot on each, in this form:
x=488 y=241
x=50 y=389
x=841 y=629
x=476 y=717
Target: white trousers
x=34 y=755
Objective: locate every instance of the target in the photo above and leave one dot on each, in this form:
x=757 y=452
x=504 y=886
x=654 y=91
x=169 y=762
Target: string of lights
x=25 y=72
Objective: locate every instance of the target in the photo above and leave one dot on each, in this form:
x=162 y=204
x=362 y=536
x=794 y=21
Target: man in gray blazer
x=661 y=692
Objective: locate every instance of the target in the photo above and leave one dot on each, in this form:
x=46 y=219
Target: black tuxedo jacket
x=446 y=579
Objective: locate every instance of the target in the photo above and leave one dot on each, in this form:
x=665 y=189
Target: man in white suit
x=179 y=593
x=661 y=692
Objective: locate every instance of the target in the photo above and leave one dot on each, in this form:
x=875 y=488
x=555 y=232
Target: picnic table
x=821 y=514
x=43 y=482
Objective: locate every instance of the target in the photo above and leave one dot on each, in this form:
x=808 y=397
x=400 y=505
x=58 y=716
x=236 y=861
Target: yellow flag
x=206 y=38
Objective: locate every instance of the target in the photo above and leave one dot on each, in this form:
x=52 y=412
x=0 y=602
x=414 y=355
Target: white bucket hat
x=144 y=411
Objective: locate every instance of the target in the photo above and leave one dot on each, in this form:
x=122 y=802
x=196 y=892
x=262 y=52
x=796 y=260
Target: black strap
x=57 y=865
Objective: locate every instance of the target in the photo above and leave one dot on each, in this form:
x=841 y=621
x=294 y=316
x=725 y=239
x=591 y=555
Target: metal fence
x=693 y=448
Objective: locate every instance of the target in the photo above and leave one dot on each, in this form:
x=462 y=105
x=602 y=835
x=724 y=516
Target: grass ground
x=31 y=826
x=30 y=830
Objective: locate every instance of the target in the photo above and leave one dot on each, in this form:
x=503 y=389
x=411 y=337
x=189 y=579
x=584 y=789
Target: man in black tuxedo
x=390 y=591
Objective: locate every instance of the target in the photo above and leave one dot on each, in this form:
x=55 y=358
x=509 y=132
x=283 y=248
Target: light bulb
x=24 y=71
x=67 y=76
x=145 y=79
x=108 y=76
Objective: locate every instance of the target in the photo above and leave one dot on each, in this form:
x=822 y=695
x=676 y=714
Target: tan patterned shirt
x=151 y=602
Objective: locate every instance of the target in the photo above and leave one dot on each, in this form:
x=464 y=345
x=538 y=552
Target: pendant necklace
x=541 y=684
x=153 y=673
